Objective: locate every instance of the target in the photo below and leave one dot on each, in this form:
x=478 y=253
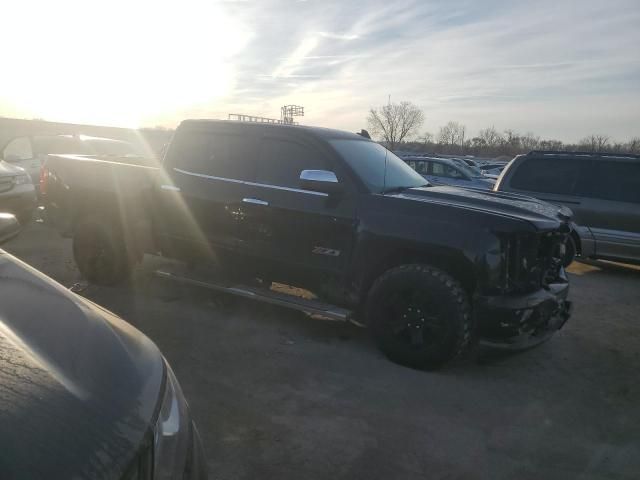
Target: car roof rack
x=583 y=154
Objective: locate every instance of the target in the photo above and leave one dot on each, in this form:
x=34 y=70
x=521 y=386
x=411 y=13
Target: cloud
x=338 y=36
x=558 y=67
x=512 y=64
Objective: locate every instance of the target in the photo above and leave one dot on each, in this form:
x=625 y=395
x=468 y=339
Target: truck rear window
x=210 y=153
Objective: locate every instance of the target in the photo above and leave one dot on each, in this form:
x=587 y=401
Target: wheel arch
x=576 y=239
x=450 y=261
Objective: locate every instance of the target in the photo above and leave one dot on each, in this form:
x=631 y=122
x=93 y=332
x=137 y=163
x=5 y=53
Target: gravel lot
x=279 y=395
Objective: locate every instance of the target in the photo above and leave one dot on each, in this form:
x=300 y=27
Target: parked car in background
x=428 y=268
x=468 y=161
x=465 y=163
x=17 y=192
x=603 y=190
x=493 y=169
x=445 y=171
x=83 y=394
x=30 y=152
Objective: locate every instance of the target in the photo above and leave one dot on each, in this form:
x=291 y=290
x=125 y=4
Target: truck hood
x=78 y=385
x=543 y=215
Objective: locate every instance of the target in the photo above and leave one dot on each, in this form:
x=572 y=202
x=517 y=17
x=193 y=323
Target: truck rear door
x=200 y=196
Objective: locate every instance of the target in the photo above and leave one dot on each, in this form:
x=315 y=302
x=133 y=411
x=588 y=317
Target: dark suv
x=602 y=190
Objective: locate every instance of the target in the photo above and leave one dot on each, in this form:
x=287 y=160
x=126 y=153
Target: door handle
x=170 y=188
x=255 y=201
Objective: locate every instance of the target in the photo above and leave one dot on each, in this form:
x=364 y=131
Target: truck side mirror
x=9 y=227
x=324 y=181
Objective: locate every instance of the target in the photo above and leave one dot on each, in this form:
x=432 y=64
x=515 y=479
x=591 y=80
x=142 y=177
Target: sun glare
x=115 y=62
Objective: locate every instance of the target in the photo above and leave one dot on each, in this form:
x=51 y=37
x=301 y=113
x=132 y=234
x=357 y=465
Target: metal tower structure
x=287 y=112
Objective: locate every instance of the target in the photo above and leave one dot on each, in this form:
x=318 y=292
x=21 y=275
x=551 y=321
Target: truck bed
x=74 y=185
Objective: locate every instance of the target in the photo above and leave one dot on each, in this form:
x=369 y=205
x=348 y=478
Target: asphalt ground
x=277 y=394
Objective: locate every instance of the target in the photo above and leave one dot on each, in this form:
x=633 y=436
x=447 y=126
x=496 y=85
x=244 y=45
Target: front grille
x=532 y=261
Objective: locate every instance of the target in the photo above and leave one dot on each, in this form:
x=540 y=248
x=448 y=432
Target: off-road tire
x=100 y=253
x=434 y=302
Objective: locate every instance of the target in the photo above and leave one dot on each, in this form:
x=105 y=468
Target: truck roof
x=326 y=133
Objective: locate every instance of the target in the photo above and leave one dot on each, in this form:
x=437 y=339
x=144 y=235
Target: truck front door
x=296 y=236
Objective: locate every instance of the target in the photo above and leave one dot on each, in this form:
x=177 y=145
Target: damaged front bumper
x=523 y=320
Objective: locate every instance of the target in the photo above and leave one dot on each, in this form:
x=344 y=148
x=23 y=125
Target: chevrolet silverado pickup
x=429 y=269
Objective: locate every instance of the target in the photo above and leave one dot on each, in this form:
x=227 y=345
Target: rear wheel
x=420 y=316
x=100 y=252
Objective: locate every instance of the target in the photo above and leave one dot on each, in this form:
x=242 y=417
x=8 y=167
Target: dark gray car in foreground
x=602 y=190
x=83 y=394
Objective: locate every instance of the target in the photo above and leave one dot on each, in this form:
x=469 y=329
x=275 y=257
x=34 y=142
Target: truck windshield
x=367 y=159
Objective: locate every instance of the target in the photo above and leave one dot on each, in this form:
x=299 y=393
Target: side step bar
x=268 y=296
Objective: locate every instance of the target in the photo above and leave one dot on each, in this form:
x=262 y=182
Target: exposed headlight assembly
x=172 y=432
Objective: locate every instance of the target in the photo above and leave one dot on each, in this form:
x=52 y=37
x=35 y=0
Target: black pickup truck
x=247 y=206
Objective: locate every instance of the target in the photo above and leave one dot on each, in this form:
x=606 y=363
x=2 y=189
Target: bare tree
x=395 y=122
x=451 y=134
x=634 y=145
x=529 y=141
x=551 y=145
x=426 y=138
x=490 y=137
x=595 y=143
x=478 y=144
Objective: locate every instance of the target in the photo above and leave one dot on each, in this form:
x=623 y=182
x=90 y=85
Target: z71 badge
x=326 y=251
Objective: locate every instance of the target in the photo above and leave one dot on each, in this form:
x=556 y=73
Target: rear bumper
x=522 y=321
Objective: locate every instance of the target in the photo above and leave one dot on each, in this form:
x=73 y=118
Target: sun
x=116 y=62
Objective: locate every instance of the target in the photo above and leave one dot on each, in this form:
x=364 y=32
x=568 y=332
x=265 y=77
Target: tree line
x=398 y=126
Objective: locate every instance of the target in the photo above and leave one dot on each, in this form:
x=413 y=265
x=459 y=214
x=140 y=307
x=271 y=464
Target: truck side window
x=216 y=154
x=281 y=161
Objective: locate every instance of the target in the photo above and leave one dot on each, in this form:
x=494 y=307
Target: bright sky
x=559 y=68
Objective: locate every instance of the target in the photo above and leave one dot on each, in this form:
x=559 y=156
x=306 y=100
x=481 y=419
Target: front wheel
x=420 y=316
x=100 y=252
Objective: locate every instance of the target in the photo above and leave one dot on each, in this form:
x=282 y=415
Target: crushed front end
x=529 y=302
